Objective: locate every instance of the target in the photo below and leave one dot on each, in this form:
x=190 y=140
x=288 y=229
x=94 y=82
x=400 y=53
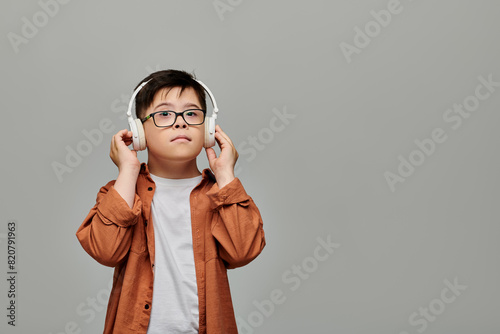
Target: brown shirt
x=227 y=233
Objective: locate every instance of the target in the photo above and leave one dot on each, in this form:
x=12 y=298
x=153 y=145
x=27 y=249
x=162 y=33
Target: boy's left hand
x=222 y=166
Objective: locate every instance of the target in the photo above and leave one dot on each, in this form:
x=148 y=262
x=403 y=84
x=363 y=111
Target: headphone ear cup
x=138 y=137
x=209 y=132
x=140 y=143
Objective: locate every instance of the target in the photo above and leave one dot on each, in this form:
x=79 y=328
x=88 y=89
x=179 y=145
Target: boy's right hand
x=122 y=156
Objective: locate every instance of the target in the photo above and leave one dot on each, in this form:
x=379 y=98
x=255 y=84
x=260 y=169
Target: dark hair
x=166 y=79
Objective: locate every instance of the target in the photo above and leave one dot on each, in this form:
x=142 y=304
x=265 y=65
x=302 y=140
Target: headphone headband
x=210 y=95
x=212 y=98
x=132 y=99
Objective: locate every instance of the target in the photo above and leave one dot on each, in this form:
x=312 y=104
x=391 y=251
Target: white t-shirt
x=175 y=291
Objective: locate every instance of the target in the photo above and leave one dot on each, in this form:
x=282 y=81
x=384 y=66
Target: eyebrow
x=186 y=105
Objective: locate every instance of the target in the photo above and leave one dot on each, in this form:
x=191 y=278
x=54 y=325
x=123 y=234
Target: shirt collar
x=206 y=174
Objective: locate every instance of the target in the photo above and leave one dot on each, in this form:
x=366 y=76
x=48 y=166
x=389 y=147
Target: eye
x=193 y=113
x=164 y=113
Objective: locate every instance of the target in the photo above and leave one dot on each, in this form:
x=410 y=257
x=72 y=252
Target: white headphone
x=135 y=124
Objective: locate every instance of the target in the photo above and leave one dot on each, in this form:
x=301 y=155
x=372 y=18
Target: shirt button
x=147 y=306
x=150 y=188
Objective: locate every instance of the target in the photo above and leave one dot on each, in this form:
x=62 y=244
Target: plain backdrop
x=366 y=125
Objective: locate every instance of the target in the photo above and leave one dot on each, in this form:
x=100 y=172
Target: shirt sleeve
x=106 y=232
x=237 y=224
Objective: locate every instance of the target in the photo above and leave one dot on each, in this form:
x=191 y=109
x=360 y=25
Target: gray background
x=321 y=175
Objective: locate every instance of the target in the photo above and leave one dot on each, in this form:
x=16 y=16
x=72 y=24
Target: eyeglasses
x=163 y=119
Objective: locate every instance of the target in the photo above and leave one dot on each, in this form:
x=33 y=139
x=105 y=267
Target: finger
x=218 y=130
x=226 y=137
x=129 y=134
x=211 y=156
x=123 y=138
x=121 y=132
x=223 y=141
x=112 y=148
x=224 y=144
x=113 y=142
x=125 y=134
x=227 y=151
x=220 y=139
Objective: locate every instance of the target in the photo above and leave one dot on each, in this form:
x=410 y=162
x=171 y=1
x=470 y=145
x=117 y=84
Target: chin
x=182 y=153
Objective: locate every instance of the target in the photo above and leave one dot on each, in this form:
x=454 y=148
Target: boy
x=170 y=231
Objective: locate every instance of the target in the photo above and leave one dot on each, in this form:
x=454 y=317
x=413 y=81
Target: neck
x=173 y=169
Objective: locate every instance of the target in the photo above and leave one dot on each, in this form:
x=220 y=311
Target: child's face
x=179 y=142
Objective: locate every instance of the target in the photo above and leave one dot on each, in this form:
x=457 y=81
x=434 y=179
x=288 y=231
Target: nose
x=179 y=122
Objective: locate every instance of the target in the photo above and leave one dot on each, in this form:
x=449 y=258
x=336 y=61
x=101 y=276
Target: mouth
x=181 y=138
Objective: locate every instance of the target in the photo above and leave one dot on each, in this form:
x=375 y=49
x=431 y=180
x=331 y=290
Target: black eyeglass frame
x=175 y=119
